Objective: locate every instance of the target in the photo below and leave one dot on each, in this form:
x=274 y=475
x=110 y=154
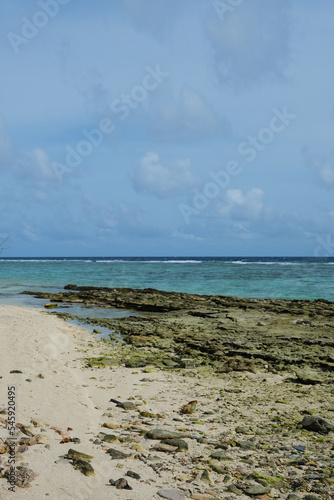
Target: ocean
x=270 y=277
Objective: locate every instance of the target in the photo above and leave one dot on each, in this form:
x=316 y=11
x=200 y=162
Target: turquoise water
x=290 y=278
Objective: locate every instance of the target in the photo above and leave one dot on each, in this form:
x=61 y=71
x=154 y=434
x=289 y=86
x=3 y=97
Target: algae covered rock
x=308 y=376
x=267 y=479
x=83 y=466
x=73 y=454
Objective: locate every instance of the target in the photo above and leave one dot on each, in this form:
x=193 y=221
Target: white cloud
x=190 y=117
x=250 y=42
x=155 y=179
x=325 y=171
x=322 y=166
x=241 y=206
x=153 y=16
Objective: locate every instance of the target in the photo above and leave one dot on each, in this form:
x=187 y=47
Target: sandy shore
x=57 y=397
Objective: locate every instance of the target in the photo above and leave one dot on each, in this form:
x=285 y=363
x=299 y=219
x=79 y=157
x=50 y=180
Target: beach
x=242 y=439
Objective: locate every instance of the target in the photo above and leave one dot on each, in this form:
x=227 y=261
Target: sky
x=167 y=128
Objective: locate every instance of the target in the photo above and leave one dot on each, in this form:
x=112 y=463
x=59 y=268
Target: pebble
x=110 y=426
x=257 y=490
x=120 y=484
x=83 y=466
x=132 y=474
x=171 y=494
x=118 y=455
x=73 y=455
x=165 y=434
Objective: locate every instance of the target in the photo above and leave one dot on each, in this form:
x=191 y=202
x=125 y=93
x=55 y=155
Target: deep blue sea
x=270 y=277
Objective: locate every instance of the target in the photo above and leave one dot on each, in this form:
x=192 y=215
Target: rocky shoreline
x=99 y=418
x=214 y=333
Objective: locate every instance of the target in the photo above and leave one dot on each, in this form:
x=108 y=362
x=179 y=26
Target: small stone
x=257 y=490
x=164 y=447
x=218 y=468
x=219 y=455
x=38 y=423
x=110 y=426
x=161 y=434
x=22 y=448
x=179 y=443
x=110 y=438
x=40 y=376
x=118 y=455
x=76 y=455
x=292 y=496
x=132 y=474
x=15 y=371
x=189 y=407
x=233 y=489
x=138 y=448
x=199 y=496
x=42 y=439
x=299 y=447
x=126 y=405
x=171 y=494
x=122 y=484
x=83 y=466
x=205 y=477
x=267 y=479
x=28 y=430
x=246 y=445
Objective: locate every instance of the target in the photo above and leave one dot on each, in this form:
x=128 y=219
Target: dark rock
x=110 y=438
x=73 y=454
x=83 y=466
x=118 y=455
x=132 y=474
x=179 y=443
x=246 y=445
x=299 y=447
x=256 y=490
x=163 y=434
x=126 y=405
x=76 y=440
x=316 y=424
x=219 y=455
x=121 y=484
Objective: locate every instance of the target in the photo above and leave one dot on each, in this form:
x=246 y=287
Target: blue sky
x=167 y=127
